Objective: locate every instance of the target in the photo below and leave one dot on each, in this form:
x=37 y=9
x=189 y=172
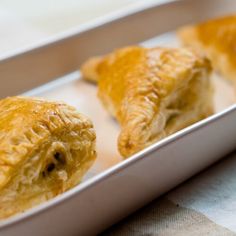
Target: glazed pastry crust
x=152 y=92
x=217 y=39
x=45 y=149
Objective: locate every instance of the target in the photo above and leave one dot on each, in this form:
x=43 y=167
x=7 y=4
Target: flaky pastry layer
x=216 y=39
x=152 y=92
x=45 y=149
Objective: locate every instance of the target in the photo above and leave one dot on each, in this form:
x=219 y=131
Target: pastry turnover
x=45 y=149
x=152 y=92
x=217 y=39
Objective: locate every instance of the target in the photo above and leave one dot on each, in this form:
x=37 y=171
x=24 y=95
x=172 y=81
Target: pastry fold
x=45 y=149
x=151 y=92
x=216 y=39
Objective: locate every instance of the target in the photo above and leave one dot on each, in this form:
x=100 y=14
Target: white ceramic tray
x=113 y=188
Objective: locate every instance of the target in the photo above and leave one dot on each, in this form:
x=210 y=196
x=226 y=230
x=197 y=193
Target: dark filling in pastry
x=59 y=161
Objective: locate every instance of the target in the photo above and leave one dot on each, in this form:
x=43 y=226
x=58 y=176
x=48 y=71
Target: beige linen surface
x=163 y=218
x=212 y=192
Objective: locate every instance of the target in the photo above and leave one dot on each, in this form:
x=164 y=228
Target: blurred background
x=26 y=22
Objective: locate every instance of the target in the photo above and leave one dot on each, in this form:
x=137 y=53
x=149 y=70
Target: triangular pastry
x=217 y=40
x=151 y=92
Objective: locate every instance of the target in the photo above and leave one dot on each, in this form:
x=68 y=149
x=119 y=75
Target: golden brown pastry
x=152 y=92
x=45 y=149
x=217 y=39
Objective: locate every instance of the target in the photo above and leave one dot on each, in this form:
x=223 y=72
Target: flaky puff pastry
x=217 y=39
x=152 y=92
x=45 y=149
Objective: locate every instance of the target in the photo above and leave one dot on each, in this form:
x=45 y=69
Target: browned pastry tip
x=89 y=69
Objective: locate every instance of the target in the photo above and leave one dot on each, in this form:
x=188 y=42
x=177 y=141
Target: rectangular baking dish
x=113 y=188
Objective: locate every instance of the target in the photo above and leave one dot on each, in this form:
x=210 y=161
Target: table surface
x=206 y=204
x=26 y=22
